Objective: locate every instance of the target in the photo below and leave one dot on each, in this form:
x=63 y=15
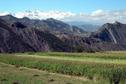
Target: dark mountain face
x=17 y=37
x=10 y=41
x=21 y=35
x=18 y=25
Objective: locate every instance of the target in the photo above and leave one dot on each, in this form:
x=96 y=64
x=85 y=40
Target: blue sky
x=90 y=11
x=62 y=5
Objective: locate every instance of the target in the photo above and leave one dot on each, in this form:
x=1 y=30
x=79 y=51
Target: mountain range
x=24 y=35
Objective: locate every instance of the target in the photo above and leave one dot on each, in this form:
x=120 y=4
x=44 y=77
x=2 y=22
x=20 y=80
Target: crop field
x=69 y=68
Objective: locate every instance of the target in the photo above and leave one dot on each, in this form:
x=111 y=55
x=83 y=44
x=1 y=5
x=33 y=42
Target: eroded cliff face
x=17 y=37
x=113 y=36
x=115 y=33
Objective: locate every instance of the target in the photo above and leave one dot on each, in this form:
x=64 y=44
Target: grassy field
x=10 y=74
x=91 y=68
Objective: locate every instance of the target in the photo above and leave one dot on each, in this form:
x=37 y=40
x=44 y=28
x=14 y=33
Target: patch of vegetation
x=88 y=65
x=9 y=74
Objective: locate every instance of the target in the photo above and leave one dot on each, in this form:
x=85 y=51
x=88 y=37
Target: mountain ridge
x=24 y=34
x=16 y=39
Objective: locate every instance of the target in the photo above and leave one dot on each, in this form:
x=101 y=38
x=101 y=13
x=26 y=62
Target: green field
x=70 y=68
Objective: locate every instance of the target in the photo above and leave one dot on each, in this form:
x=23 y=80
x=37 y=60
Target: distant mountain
x=85 y=26
x=61 y=27
x=89 y=27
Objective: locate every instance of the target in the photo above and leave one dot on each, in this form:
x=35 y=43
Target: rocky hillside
x=113 y=35
x=17 y=37
x=24 y=34
x=110 y=36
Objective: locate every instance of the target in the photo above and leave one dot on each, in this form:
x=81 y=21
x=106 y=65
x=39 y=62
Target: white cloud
x=98 y=16
x=4 y=13
x=98 y=13
x=44 y=15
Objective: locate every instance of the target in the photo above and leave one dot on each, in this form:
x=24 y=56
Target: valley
x=63 y=42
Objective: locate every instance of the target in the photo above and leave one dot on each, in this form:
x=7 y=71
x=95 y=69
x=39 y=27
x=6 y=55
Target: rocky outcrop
x=17 y=37
x=112 y=36
x=114 y=33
